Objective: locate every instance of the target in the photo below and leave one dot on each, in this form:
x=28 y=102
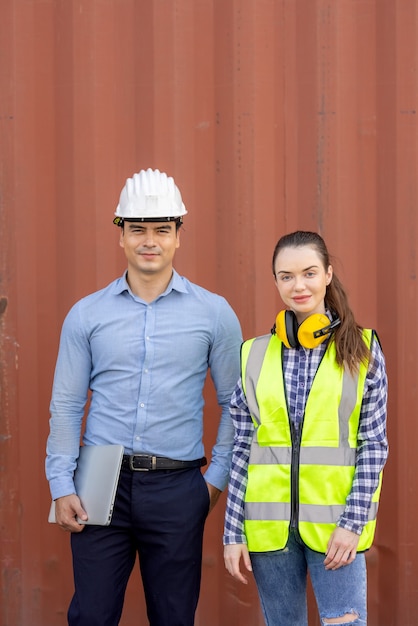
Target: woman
x=310 y=444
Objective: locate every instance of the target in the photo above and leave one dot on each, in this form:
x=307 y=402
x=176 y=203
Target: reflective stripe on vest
x=326 y=460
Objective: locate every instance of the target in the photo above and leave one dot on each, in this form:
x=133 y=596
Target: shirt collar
x=176 y=284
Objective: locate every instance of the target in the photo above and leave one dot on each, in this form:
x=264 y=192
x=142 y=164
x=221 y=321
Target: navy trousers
x=160 y=515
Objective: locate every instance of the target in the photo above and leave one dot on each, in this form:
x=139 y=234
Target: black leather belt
x=147 y=462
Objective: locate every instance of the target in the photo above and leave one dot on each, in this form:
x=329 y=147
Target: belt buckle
x=142 y=469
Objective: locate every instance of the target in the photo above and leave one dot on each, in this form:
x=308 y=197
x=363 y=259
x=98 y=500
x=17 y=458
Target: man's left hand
x=214 y=494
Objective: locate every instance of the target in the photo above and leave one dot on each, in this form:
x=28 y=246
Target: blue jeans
x=281 y=582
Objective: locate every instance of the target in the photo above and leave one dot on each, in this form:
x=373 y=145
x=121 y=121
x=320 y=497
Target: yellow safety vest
x=306 y=481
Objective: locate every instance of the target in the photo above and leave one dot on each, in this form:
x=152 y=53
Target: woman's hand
x=341 y=549
x=232 y=557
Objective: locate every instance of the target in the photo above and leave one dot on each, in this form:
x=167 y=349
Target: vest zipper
x=294 y=516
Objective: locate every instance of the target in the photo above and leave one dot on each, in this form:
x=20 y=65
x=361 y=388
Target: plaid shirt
x=299 y=366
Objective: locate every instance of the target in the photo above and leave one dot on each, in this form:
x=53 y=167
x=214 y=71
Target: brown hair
x=350 y=347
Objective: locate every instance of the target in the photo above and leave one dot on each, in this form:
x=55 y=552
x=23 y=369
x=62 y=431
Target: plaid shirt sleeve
x=372 y=449
x=244 y=428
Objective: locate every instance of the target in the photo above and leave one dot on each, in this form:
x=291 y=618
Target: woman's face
x=302 y=280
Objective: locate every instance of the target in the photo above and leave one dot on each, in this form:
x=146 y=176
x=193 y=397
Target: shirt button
x=142 y=405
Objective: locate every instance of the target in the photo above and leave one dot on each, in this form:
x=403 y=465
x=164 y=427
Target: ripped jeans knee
x=348 y=619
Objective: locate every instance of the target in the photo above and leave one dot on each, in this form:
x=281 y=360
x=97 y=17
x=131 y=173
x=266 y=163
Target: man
x=142 y=347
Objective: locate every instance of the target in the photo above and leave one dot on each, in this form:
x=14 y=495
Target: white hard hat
x=149 y=196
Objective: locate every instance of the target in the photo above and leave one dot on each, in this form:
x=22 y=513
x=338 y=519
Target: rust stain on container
x=272 y=115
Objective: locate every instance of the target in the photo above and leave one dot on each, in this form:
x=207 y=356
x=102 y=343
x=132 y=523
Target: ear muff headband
x=310 y=334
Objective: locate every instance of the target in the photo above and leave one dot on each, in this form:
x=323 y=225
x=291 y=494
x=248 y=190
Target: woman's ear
x=329 y=275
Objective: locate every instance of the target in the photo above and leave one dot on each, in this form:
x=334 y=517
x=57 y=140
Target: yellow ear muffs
x=312 y=332
x=308 y=335
x=287 y=328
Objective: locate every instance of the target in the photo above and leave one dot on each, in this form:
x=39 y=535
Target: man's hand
x=214 y=494
x=232 y=556
x=341 y=549
x=67 y=509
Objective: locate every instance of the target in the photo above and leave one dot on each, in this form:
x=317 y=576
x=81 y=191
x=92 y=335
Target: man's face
x=149 y=246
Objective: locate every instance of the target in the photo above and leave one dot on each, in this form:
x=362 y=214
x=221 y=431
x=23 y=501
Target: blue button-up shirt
x=143 y=366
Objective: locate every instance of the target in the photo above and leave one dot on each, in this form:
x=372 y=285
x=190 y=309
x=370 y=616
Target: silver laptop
x=96 y=480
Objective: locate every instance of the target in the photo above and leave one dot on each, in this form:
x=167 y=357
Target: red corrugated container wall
x=272 y=115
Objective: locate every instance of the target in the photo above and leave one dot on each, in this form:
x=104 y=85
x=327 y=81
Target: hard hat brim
x=120 y=220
